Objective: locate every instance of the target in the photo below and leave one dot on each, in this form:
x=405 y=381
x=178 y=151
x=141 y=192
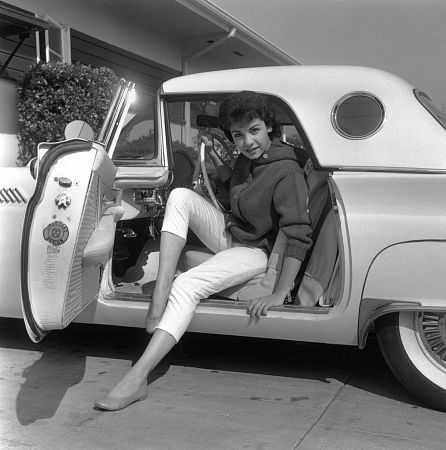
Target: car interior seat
x=316 y=273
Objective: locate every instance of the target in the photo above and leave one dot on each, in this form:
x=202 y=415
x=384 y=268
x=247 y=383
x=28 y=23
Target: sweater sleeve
x=290 y=202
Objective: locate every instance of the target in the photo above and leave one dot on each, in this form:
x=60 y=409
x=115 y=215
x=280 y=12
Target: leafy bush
x=54 y=94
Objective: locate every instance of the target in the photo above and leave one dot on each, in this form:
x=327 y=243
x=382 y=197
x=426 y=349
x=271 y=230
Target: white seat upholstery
x=317 y=197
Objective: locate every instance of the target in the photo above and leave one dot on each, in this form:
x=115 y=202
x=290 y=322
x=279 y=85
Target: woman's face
x=251 y=138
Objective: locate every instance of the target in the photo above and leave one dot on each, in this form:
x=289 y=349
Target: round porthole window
x=358 y=115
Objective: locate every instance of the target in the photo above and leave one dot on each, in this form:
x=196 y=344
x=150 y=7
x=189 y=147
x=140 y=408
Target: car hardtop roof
x=280 y=79
x=408 y=138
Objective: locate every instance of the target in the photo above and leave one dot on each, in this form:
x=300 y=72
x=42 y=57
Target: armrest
x=98 y=248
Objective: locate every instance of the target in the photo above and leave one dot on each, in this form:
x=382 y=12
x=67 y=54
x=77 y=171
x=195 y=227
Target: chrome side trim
x=421 y=171
x=12 y=195
x=370 y=309
x=219 y=302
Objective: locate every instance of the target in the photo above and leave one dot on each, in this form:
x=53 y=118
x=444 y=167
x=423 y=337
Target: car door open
x=68 y=234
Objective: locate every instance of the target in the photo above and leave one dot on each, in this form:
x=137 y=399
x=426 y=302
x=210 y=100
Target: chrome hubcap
x=431 y=333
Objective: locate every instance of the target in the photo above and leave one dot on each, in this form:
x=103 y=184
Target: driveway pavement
x=211 y=392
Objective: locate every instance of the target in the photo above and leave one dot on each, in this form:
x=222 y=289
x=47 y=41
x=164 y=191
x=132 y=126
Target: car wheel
x=414 y=347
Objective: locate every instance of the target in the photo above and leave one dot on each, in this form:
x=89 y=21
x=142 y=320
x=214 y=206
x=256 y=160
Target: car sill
x=217 y=303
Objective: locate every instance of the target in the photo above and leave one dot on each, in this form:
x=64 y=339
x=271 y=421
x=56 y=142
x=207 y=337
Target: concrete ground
x=212 y=392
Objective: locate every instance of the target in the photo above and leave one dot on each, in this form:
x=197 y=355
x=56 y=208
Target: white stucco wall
x=149 y=42
x=8 y=123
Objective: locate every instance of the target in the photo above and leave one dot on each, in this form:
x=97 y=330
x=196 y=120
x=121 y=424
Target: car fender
x=16 y=188
x=404 y=276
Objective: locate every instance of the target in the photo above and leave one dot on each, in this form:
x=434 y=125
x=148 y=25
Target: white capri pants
x=232 y=263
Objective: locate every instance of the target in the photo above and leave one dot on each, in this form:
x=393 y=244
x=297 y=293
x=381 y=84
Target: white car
x=82 y=238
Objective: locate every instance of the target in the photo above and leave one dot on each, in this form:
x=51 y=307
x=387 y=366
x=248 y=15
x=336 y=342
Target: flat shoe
x=109 y=403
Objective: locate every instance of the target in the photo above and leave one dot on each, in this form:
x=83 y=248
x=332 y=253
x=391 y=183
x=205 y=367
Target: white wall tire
x=414 y=346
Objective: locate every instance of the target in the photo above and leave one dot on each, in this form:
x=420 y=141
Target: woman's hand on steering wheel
x=208 y=140
x=215 y=144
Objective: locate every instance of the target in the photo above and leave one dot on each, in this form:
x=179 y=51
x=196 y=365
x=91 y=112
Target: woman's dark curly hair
x=245 y=106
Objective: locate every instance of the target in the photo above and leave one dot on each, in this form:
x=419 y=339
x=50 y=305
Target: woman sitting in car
x=268 y=193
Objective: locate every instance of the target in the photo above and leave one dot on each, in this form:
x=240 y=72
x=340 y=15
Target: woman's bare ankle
x=131 y=381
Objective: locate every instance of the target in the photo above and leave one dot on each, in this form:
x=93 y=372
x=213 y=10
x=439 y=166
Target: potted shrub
x=54 y=94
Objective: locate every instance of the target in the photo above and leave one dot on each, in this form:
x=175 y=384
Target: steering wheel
x=201 y=177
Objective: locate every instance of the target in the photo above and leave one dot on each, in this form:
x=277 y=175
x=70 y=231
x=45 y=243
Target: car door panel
x=68 y=234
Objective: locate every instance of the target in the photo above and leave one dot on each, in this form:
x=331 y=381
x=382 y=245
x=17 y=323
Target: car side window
x=137 y=138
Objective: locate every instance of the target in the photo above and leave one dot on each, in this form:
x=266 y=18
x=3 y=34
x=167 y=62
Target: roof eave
x=16 y=21
x=218 y=16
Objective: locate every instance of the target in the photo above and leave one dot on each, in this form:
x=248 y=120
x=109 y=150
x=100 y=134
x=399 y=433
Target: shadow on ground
x=63 y=361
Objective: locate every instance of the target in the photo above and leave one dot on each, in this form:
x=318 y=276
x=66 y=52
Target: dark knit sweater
x=269 y=194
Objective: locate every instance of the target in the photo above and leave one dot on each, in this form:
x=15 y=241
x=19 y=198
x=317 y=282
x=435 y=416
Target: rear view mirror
x=205 y=121
x=79 y=129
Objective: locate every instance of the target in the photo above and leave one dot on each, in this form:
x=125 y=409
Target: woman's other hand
x=259 y=306
x=207 y=141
